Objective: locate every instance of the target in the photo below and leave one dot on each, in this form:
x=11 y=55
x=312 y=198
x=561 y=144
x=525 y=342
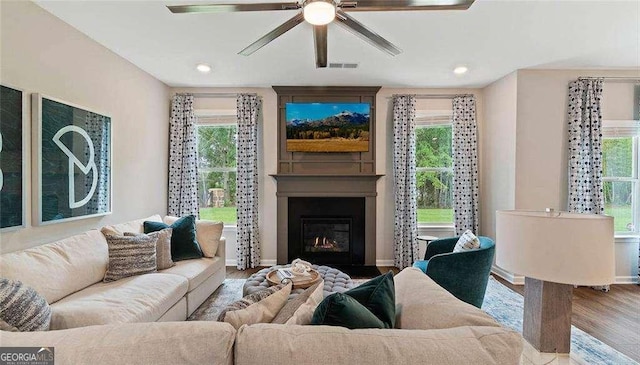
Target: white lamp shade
x=559 y=247
x=319 y=12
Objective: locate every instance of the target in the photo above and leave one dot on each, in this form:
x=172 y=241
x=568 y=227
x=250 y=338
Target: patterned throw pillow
x=130 y=255
x=163 y=247
x=299 y=310
x=468 y=241
x=259 y=307
x=22 y=308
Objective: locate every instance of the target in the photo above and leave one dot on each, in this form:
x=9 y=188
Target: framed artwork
x=71 y=161
x=12 y=152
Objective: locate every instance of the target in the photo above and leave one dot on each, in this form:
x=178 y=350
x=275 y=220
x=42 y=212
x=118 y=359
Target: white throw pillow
x=468 y=241
x=208 y=234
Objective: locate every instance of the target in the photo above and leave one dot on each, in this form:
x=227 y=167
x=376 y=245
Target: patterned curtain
x=404 y=178
x=585 y=146
x=98 y=128
x=585 y=149
x=248 y=250
x=183 y=158
x=465 y=164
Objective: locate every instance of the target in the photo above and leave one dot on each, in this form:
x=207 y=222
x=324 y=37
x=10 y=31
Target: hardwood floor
x=613 y=317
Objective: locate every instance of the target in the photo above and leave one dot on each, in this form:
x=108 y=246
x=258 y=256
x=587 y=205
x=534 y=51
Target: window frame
x=611 y=130
x=217 y=118
x=434 y=118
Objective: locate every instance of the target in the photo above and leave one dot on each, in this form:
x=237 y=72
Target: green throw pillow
x=341 y=310
x=184 y=245
x=358 y=307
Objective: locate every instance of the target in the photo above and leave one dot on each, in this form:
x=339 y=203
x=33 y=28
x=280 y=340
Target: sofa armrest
x=222 y=250
x=155 y=343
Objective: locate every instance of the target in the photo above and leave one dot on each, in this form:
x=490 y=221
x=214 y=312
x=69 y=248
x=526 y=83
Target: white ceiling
x=492 y=38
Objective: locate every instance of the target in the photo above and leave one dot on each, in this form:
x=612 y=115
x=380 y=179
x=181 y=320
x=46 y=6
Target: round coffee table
x=335 y=281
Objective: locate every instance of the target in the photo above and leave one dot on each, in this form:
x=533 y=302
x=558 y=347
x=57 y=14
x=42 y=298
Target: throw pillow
x=208 y=234
x=163 y=247
x=468 y=241
x=339 y=309
x=376 y=296
x=259 y=307
x=22 y=308
x=130 y=255
x=184 y=245
x=299 y=310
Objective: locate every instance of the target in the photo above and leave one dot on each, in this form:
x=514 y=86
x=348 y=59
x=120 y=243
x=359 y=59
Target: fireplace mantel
x=326 y=185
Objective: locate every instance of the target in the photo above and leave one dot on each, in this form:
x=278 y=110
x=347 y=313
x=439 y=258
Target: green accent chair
x=463 y=274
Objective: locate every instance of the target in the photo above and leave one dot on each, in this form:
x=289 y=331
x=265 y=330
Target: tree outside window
x=217 y=172
x=434 y=174
x=620 y=181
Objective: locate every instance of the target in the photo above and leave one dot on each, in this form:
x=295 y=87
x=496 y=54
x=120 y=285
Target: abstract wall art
x=71 y=161
x=11 y=158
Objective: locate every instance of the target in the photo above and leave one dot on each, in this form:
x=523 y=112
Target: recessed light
x=204 y=68
x=460 y=70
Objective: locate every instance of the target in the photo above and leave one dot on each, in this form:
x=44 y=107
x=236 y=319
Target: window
x=434 y=169
x=217 y=169
x=620 y=174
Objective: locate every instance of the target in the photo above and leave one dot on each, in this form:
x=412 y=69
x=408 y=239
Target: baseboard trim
x=384 y=262
x=519 y=279
x=513 y=279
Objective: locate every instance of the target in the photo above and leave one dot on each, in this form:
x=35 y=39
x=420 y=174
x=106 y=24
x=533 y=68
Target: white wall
x=497 y=189
x=41 y=54
x=541 y=143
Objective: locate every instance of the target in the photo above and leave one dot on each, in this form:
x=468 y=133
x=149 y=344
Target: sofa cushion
x=58 y=269
x=167 y=343
x=130 y=255
x=271 y=343
x=184 y=245
x=299 y=310
x=163 y=247
x=196 y=271
x=423 y=304
x=341 y=310
x=467 y=241
x=378 y=296
x=208 y=234
x=135 y=226
x=260 y=307
x=22 y=308
x=143 y=298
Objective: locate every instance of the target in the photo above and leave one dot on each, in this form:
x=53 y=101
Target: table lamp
x=554 y=251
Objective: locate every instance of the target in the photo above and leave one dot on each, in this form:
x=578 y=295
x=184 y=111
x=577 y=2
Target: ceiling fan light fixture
x=319 y=12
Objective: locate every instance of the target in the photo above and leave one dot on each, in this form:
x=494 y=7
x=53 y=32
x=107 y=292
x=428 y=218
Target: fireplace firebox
x=327 y=230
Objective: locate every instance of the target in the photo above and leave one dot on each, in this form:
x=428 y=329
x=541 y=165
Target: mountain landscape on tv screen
x=344 y=131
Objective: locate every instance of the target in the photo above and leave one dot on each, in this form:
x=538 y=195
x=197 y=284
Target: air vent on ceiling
x=343 y=65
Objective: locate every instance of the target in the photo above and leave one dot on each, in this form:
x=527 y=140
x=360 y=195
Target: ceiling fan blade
x=282 y=29
x=320 y=37
x=370 y=36
x=404 y=5
x=223 y=8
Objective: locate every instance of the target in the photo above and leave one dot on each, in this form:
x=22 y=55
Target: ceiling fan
x=320 y=13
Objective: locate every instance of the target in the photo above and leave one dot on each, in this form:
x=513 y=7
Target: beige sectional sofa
x=69 y=274
x=433 y=327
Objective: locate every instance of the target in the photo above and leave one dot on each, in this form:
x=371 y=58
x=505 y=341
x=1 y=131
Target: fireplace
x=327 y=230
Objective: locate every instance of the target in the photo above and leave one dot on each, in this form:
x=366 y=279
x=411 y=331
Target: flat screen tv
x=328 y=127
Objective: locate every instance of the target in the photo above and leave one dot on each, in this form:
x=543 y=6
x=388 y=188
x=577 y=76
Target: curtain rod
x=219 y=95
x=613 y=78
x=435 y=96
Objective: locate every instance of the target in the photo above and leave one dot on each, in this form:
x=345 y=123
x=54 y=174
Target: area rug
x=506 y=306
x=502 y=303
